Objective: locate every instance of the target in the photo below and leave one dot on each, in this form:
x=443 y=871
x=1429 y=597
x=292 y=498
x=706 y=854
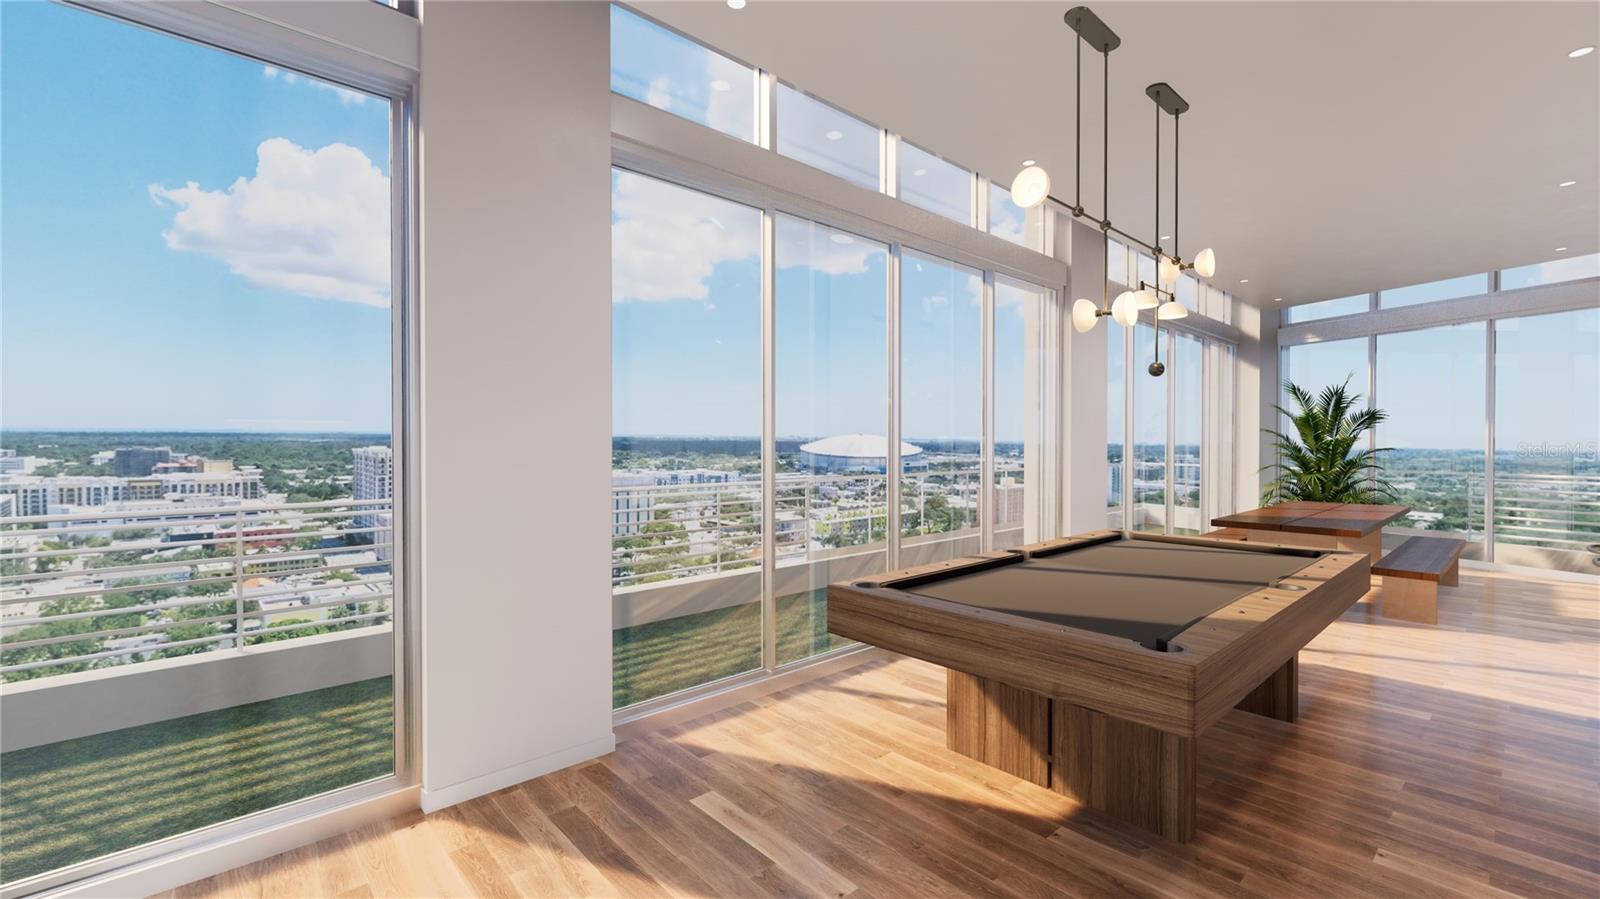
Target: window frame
x=1491 y=307
x=369 y=48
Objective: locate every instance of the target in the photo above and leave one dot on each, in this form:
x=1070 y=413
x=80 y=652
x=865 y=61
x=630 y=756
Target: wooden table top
x=1329 y=519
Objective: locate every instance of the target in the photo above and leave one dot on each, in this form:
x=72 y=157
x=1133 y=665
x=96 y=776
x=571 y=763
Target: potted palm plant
x=1318 y=459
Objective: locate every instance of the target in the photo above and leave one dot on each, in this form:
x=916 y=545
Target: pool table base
x=1127 y=770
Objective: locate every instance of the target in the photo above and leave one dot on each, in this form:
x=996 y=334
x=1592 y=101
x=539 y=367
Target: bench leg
x=1409 y=599
x=1278 y=696
x=1452 y=575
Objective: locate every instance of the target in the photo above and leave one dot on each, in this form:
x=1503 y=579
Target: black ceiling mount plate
x=1167 y=98
x=1091 y=29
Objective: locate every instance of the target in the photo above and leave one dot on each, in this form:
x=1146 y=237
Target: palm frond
x=1320 y=457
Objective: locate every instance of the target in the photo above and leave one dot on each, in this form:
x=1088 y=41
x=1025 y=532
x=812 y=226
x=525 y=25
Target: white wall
x=1084 y=394
x=516 y=349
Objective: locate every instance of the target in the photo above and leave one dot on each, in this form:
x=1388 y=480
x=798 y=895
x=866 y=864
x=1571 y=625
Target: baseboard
x=444 y=797
x=173 y=870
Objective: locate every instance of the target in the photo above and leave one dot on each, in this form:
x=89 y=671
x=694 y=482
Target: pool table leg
x=1129 y=771
x=1000 y=725
x=1278 y=696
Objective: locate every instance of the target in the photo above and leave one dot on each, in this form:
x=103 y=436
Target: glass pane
x=832 y=371
x=1117 y=263
x=671 y=72
x=1008 y=220
x=1218 y=451
x=1433 y=291
x=1188 y=293
x=1431 y=384
x=1552 y=272
x=1214 y=303
x=1149 y=433
x=1017 y=412
x=195 y=461
x=1116 y=420
x=1189 y=404
x=1147 y=270
x=686 y=446
x=1352 y=305
x=1317 y=365
x=823 y=137
x=1547 y=441
x=941 y=388
x=935 y=185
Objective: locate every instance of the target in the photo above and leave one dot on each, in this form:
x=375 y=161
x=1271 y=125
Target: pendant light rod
x=1157 y=230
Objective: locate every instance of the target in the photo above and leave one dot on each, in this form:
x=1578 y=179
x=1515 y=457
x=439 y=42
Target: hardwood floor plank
x=778 y=847
x=1458 y=760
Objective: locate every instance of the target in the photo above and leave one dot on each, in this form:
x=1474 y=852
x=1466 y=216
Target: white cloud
x=666 y=241
x=312 y=222
x=346 y=96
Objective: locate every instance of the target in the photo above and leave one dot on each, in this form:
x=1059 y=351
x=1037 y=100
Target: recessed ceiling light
x=1027 y=162
x=1561 y=249
x=1244 y=280
x=919 y=173
x=1277 y=299
x=834 y=135
x=1581 y=51
x=1166 y=237
x=719 y=85
x=736 y=4
x=1566 y=184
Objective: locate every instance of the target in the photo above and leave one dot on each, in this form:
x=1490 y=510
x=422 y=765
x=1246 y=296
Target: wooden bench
x=1414 y=572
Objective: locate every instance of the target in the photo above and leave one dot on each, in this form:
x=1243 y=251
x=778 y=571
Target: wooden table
x=1092 y=664
x=1355 y=527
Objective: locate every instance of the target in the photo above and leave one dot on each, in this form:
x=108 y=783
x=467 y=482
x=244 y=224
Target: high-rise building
x=372 y=478
x=138 y=461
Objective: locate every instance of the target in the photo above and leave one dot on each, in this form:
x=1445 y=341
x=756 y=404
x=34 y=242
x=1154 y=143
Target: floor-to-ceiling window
x=1547 y=441
x=941 y=409
x=199 y=535
x=800 y=397
x=1489 y=384
x=686 y=377
x=832 y=423
x=1016 y=491
x=1430 y=384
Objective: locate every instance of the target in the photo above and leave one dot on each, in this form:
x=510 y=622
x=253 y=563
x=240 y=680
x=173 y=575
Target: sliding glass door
x=1170 y=463
x=199 y=530
x=686 y=383
x=941 y=409
x=831 y=378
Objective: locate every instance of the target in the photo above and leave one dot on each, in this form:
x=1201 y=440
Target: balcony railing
x=662 y=533
x=120 y=586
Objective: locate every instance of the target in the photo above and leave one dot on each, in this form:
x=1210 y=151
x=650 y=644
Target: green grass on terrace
x=650 y=660
x=75 y=800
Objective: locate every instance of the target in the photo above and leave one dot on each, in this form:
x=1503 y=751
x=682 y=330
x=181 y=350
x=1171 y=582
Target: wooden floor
x=1459 y=759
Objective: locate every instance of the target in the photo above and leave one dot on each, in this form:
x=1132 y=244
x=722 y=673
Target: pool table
x=1091 y=664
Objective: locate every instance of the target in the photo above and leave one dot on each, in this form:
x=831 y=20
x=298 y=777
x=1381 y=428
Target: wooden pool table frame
x=1097 y=717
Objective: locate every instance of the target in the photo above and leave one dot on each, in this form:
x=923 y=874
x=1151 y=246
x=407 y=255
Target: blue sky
x=130 y=299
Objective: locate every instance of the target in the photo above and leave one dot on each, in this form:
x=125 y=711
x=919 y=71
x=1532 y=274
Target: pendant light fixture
x=1031 y=187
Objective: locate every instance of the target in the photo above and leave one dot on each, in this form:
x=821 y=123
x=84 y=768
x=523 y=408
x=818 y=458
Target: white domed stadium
x=857 y=452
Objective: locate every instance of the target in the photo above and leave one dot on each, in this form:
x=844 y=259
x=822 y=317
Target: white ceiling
x=1331 y=148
